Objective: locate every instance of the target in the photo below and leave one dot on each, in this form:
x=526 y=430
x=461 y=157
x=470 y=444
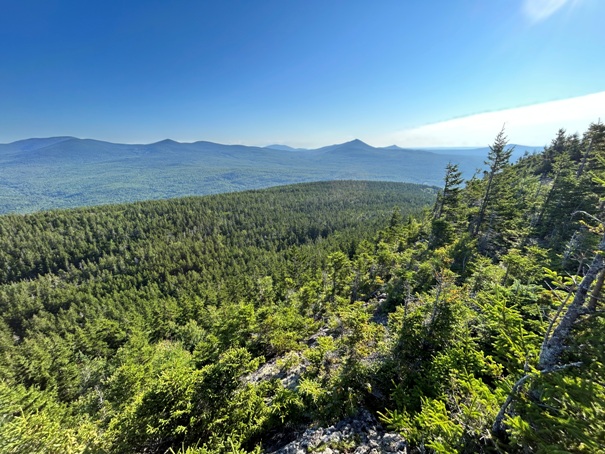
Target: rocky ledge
x=361 y=434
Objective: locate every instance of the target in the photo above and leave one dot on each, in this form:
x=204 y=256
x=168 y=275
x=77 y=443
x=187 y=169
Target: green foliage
x=211 y=325
x=184 y=404
x=142 y=321
x=33 y=421
x=450 y=383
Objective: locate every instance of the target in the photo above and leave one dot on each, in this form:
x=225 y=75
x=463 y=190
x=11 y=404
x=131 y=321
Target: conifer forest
x=466 y=318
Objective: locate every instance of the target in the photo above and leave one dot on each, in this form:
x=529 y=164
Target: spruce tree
x=497 y=159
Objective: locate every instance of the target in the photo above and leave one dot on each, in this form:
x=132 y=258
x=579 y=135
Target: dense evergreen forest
x=467 y=322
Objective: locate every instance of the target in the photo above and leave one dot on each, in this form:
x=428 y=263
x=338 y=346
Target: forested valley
x=466 y=319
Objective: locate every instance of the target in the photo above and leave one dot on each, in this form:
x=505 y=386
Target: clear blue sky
x=304 y=73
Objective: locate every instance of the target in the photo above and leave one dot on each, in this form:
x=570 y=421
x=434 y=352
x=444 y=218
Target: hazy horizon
x=270 y=145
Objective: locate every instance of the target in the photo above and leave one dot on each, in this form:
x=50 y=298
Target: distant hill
x=59 y=172
x=284 y=148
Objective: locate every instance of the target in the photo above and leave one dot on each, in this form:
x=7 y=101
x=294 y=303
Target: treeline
x=223 y=324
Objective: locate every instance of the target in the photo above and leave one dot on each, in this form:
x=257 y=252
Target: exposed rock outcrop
x=361 y=434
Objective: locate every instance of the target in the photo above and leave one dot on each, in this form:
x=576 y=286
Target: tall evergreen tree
x=449 y=198
x=497 y=159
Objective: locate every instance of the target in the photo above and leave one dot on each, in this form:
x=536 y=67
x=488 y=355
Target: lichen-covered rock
x=361 y=434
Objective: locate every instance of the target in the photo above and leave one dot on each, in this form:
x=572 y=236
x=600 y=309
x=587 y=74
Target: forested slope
x=231 y=323
x=90 y=296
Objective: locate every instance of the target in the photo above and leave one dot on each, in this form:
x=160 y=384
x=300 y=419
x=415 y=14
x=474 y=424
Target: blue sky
x=304 y=73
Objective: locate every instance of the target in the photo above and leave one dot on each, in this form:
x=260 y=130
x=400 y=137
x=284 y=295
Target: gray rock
x=361 y=434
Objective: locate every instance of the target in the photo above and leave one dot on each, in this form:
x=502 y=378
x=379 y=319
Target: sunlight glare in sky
x=537 y=10
x=526 y=125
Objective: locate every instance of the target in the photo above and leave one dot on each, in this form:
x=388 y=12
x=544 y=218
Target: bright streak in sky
x=528 y=125
x=537 y=10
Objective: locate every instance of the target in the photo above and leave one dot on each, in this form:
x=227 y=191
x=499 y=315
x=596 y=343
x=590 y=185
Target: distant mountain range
x=60 y=172
x=518 y=150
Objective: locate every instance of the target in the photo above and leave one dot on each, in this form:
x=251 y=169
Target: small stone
x=393 y=442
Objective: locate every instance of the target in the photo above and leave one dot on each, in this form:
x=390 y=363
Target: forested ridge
x=467 y=322
x=65 y=172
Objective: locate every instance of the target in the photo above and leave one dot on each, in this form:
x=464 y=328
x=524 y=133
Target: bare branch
x=498 y=426
x=588 y=215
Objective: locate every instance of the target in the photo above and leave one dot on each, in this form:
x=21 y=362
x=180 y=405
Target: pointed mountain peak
x=166 y=142
x=357 y=142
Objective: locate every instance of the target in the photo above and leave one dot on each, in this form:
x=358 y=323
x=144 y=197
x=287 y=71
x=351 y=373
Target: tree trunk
x=546 y=201
x=596 y=292
x=553 y=347
x=584 y=159
x=484 y=204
